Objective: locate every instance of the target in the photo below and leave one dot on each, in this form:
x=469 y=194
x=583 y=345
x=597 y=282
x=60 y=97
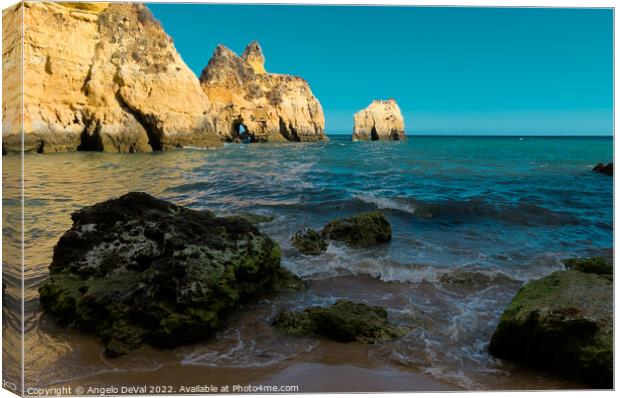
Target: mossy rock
x=561 y=323
x=252 y=218
x=286 y=281
x=592 y=265
x=137 y=270
x=309 y=242
x=362 y=230
x=345 y=321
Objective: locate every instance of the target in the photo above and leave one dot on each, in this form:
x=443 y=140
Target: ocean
x=473 y=218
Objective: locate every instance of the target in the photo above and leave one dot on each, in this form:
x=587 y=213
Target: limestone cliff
x=250 y=104
x=12 y=88
x=381 y=120
x=103 y=77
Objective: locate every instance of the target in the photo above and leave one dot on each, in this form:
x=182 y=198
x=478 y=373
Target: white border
x=482 y=3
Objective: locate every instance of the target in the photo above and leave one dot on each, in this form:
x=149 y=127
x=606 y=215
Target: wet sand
x=331 y=367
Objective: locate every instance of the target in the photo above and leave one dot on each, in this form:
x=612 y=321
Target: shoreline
x=327 y=366
x=331 y=367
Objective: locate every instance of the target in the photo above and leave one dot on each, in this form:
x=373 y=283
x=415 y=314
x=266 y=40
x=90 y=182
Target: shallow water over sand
x=472 y=219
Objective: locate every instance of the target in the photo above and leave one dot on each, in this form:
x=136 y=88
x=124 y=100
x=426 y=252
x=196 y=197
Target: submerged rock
x=366 y=229
x=309 y=242
x=562 y=323
x=344 y=321
x=592 y=265
x=473 y=280
x=381 y=120
x=102 y=77
x=604 y=168
x=139 y=270
x=250 y=104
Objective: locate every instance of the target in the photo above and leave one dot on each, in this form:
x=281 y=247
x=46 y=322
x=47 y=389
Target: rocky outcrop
x=344 y=321
x=309 y=242
x=562 y=323
x=103 y=77
x=381 y=120
x=250 y=104
x=361 y=230
x=604 y=168
x=139 y=270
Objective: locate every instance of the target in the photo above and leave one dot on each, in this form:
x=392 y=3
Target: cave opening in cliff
x=90 y=139
x=373 y=134
x=241 y=132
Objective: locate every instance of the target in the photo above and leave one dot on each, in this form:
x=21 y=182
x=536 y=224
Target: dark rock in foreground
x=604 y=168
x=344 y=321
x=309 y=242
x=139 y=270
x=366 y=229
x=592 y=265
x=562 y=323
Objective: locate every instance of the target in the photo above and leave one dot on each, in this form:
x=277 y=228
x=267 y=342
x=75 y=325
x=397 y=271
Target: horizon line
x=529 y=135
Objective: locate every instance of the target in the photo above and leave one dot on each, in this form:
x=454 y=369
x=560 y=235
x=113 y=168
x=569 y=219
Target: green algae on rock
x=309 y=242
x=253 y=218
x=136 y=270
x=344 y=321
x=594 y=265
x=562 y=323
x=363 y=230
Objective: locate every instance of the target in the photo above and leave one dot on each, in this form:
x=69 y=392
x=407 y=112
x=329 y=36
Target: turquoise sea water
x=504 y=209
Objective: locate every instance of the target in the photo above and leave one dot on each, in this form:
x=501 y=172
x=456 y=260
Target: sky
x=452 y=70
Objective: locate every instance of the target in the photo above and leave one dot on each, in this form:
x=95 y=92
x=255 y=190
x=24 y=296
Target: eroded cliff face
x=12 y=73
x=105 y=78
x=381 y=120
x=249 y=104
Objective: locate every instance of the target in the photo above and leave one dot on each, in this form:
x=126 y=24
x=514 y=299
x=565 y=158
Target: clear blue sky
x=452 y=70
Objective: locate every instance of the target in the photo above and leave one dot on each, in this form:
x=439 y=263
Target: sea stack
x=381 y=120
x=100 y=77
x=251 y=104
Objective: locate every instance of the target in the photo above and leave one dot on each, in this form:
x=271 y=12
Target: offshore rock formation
x=562 y=323
x=136 y=270
x=249 y=104
x=604 y=168
x=381 y=120
x=361 y=230
x=102 y=77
